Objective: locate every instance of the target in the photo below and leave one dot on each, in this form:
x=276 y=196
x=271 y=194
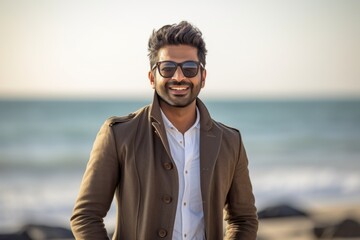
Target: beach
x=303 y=154
x=283 y=228
x=302 y=228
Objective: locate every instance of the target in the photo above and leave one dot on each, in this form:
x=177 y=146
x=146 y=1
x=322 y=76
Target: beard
x=178 y=100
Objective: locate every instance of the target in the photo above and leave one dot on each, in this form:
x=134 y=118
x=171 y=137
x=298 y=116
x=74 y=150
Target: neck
x=181 y=117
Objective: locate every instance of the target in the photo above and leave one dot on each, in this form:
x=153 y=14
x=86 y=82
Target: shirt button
x=184 y=203
x=162 y=233
x=168 y=165
x=186 y=172
x=167 y=199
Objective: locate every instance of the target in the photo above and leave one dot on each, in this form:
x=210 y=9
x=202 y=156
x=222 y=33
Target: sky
x=256 y=48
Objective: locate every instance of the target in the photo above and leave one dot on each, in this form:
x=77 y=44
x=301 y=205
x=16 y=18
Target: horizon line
x=206 y=98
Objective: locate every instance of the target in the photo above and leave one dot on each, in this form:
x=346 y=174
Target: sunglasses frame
x=199 y=65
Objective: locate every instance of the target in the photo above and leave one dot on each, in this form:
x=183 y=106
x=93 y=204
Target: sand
x=301 y=228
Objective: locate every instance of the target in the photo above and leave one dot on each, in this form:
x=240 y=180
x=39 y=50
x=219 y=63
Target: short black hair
x=176 y=34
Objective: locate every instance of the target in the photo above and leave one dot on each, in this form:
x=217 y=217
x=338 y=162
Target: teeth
x=178 y=88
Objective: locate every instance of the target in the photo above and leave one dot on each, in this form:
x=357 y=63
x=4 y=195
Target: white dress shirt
x=185 y=151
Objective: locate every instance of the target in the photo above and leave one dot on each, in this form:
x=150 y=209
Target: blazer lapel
x=209 y=150
x=210 y=141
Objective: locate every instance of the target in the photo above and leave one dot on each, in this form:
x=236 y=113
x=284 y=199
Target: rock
x=281 y=211
x=14 y=236
x=43 y=232
x=348 y=228
x=39 y=232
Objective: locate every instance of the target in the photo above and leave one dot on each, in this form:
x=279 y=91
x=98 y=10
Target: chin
x=180 y=101
x=177 y=104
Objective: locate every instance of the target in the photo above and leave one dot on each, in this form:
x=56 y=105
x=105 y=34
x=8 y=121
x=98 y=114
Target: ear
x=203 y=78
x=152 y=79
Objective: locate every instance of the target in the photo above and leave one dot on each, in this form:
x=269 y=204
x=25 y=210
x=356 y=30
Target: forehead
x=178 y=53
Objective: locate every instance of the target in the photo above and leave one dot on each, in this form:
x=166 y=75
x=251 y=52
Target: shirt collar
x=206 y=123
x=169 y=125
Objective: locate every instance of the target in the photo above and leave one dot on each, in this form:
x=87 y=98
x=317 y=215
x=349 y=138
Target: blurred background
x=286 y=73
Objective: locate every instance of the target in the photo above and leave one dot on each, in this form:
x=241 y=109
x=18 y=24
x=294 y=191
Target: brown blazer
x=131 y=159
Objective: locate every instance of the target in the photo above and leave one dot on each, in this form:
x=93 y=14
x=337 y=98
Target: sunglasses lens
x=167 y=69
x=190 y=69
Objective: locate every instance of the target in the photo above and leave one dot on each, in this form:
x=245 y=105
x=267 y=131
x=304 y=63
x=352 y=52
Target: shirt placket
x=187 y=176
x=182 y=177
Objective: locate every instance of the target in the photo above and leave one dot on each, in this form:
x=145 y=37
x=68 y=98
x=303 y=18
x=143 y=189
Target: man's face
x=178 y=90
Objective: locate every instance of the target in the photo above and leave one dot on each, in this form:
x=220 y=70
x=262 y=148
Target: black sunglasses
x=167 y=69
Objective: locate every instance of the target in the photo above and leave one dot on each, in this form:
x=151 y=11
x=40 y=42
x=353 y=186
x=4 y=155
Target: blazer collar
x=155 y=112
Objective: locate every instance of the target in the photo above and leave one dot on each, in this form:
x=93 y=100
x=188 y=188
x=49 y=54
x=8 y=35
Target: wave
x=305 y=184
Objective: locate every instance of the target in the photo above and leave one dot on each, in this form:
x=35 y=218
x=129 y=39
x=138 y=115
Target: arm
x=97 y=188
x=240 y=206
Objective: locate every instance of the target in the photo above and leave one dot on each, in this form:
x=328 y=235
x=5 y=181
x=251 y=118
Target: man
x=172 y=168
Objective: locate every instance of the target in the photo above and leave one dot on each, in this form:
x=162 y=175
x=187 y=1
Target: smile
x=178 y=88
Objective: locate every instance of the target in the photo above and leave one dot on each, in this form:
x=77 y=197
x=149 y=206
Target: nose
x=178 y=75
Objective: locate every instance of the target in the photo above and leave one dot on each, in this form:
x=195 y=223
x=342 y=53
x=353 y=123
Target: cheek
x=156 y=84
x=152 y=80
x=203 y=77
x=202 y=81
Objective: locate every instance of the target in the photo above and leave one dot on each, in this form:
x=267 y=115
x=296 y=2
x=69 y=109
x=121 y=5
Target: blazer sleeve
x=97 y=188
x=240 y=210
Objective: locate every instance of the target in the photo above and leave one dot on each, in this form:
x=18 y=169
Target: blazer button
x=162 y=233
x=168 y=165
x=167 y=199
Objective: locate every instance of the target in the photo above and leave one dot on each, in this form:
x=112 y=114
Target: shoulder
x=226 y=128
x=127 y=119
x=111 y=121
x=229 y=133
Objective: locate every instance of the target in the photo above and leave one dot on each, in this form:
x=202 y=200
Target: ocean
x=305 y=152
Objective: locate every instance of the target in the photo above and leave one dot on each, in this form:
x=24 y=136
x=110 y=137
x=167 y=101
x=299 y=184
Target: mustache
x=177 y=83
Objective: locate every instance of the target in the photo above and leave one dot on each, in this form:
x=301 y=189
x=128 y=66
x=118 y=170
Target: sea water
x=307 y=152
